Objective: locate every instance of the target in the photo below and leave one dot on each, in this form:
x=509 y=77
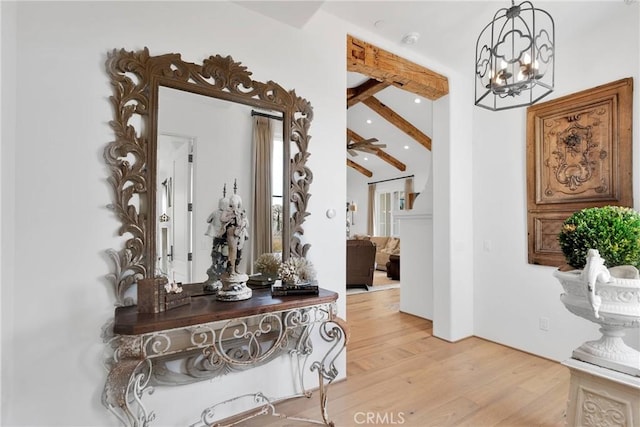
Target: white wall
x=7 y=190
x=453 y=281
x=52 y=351
x=55 y=227
x=357 y=191
x=511 y=295
x=416 y=266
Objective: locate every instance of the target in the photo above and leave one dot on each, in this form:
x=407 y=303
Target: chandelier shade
x=515 y=58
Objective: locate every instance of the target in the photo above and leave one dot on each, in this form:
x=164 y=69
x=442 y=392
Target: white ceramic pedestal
x=601 y=397
x=234 y=287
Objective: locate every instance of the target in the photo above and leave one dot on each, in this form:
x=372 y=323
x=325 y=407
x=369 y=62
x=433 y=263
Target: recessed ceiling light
x=368 y=121
x=417 y=100
x=406 y=147
x=411 y=38
x=366 y=158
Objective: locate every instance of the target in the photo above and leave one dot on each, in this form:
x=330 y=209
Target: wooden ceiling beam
x=390 y=159
x=364 y=91
x=370 y=60
x=364 y=171
x=353 y=136
x=398 y=121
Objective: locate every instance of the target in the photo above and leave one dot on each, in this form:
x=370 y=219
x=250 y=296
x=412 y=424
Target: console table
x=213 y=338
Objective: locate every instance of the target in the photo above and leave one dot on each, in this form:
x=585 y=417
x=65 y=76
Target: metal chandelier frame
x=515 y=58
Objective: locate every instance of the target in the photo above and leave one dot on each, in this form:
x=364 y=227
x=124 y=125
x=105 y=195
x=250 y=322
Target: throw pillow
x=391 y=244
x=380 y=242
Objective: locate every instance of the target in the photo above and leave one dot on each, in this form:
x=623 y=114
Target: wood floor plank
x=448 y=414
x=399 y=374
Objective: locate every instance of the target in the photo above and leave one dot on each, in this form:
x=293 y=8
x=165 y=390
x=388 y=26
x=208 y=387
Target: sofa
x=361 y=258
x=385 y=246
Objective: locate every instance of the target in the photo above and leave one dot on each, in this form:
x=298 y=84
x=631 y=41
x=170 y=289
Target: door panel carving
x=578 y=156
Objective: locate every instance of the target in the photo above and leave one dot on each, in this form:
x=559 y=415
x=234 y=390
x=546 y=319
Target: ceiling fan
x=366 y=146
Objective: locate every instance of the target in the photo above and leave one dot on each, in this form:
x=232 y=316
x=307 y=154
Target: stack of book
x=285 y=289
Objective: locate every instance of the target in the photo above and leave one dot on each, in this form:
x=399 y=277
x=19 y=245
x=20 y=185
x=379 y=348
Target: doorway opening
x=389 y=128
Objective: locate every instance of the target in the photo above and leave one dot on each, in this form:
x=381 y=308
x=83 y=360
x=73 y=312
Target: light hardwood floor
x=399 y=374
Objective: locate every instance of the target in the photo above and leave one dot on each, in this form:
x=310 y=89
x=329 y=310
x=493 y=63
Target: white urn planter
x=610 y=298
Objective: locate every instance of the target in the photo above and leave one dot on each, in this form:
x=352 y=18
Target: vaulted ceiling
x=380 y=70
x=448 y=31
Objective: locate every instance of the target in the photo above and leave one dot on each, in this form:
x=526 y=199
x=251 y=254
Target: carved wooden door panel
x=578 y=156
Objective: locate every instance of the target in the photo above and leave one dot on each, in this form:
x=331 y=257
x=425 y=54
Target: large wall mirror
x=186 y=134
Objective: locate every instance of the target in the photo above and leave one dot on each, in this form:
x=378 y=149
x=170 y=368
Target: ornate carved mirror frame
x=131 y=157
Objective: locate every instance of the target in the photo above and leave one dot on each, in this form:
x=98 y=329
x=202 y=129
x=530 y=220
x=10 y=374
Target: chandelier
x=515 y=58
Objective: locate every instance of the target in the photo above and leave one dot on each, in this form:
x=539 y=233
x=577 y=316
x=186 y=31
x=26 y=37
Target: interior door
x=181 y=207
x=175 y=184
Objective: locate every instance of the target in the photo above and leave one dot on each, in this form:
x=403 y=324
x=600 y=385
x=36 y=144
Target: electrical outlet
x=543 y=323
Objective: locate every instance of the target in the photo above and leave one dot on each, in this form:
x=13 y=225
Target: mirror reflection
x=174 y=192
x=209 y=148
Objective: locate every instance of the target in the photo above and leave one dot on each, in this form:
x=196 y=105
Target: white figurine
x=234 y=225
x=215 y=225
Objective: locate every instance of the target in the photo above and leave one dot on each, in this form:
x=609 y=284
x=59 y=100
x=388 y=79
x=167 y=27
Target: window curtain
x=371 y=209
x=263 y=153
x=408 y=193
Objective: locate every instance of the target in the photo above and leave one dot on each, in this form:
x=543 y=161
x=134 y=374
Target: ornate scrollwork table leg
x=335 y=331
x=126 y=383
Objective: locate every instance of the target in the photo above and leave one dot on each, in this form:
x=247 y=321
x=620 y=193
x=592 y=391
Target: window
x=277 y=187
x=383 y=221
x=398 y=205
x=387 y=204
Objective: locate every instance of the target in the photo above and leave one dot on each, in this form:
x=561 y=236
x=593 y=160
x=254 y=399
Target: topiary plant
x=613 y=230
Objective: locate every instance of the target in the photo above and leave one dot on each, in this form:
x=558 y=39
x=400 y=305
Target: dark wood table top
x=205 y=309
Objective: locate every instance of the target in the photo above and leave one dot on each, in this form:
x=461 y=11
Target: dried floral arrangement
x=268 y=264
x=297 y=270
